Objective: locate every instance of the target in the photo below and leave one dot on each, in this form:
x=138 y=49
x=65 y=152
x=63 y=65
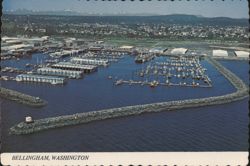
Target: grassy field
x=147 y=42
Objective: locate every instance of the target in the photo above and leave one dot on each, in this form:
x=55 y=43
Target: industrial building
x=179 y=51
x=60 y=72
x=64 y=53
x=242 y=54
x=89 y=61
x=158 y=50
x=126 y=48
x=40 y=78
x=75 y=67
x=220 y=53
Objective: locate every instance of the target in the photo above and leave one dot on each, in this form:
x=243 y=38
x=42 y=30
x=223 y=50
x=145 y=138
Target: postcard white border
x=134 y=158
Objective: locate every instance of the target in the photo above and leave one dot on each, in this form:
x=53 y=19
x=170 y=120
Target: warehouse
x=158 y=50
x=242 y=54
x=60 y=72
x=179 y=51
x=220 y=53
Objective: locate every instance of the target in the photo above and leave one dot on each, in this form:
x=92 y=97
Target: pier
x=40 y=78
x=74 y=67
x=80 y=118
x=60 y=72
x=21 y=98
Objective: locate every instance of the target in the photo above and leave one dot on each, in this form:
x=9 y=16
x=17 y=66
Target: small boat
x=141 y=74
x=153 y=84
x=167 y=81
x=118 y=82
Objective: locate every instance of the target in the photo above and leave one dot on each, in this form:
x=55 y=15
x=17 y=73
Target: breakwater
x=21 y=98
x=80 y=118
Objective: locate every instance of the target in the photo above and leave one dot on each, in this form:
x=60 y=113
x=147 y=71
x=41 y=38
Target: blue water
x=214 y=128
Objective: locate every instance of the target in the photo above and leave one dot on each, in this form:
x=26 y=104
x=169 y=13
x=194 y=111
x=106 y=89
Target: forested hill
x=179 y=19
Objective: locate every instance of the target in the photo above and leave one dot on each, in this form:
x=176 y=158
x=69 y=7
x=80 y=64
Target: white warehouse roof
x=157 y=50
x=127 y=47
x=242 y=54
x=179 y=51
x=220 y=53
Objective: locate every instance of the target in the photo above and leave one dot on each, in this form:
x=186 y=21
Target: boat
x=167 y=81
x=153 y=84
x=141 y=74
x=27 y=64
x=118 y=82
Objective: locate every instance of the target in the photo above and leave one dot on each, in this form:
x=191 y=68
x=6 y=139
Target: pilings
x=80 y=118
x=21 y=98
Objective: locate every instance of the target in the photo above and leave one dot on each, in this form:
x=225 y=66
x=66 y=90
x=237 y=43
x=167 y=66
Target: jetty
x=21 y=98
x=81 y=118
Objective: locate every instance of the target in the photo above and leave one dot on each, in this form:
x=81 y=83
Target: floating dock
x=74 y=67
x=80 y=118
x=21 y=98
x=144 y=58
x=40 y=78
x=90 y=61
x=60 y=72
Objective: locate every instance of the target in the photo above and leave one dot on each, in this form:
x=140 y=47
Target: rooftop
x=220 y=53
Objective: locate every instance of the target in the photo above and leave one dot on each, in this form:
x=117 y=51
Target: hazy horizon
x=231 y=9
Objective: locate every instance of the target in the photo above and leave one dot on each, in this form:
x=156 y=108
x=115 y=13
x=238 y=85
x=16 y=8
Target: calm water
x=214 y=128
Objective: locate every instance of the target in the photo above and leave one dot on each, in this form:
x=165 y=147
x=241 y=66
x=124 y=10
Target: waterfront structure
x=179 y=51
x=144 y=58
x=158 y=50
x=21 y=97
x=86 y=117
x=63 y=53
x=40 y=78
x=28 y=119
x=220 y=53
x=126 y=48
x=60 y=72
x=89 y=61
x=75 y=67
x=242 y=54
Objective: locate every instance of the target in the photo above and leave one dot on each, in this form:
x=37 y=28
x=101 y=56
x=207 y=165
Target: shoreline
x=21 y=98
x=81 y=118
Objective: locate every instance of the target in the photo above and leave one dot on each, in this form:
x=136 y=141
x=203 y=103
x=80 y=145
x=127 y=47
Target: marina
x=54 y=122
x=60 y=72
x=124 y=77
x=172 y=71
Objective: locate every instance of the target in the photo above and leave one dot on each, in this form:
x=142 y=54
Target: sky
x=206 y=8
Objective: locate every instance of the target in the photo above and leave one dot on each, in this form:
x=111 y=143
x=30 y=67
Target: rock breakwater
x=21 y=98
x=80 y=118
